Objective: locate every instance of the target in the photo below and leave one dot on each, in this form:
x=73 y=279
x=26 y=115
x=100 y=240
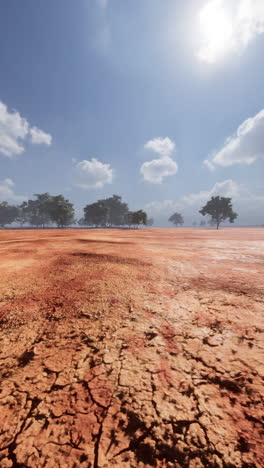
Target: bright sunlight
x=217 y=32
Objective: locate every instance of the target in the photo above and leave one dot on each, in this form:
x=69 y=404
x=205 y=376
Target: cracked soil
x=131 y=348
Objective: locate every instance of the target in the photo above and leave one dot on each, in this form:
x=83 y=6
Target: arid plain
x=132 y=348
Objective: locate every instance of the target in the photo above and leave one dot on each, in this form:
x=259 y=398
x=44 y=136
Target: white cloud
x=245 y=147
x=94 y=174
x=163 y=146
x=228 y=26
x=14 y=132
x=227 y=188
x=39 y=137
x=154 y=171
x=7 y=192
x=249 y=205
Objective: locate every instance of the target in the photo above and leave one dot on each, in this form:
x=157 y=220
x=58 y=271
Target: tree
x=60 y=211
x=112 y=212
x=136 y=218
x=139 y=217
x=36 y=212
x=96 y=214
x=22 y=216
x=202 y=223
x=117 y=210
x=129 y=218
x=176 y=219
x=46 y=209
x=219 y=209
x=8 y=213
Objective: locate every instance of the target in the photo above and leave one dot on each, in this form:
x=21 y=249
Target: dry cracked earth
x=131 y=348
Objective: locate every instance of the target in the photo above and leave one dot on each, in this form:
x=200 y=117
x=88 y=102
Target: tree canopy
x=139 y=217
x=61 y=211
x=45 y=209
x=112 y=212
x=219 y=209
x=96 y=214
x=176 y=219
x=8 y=213
x=116 y=210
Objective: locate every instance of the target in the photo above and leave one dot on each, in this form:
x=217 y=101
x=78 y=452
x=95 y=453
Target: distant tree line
x=45 y=210
x=111 y=212
x=218 y=209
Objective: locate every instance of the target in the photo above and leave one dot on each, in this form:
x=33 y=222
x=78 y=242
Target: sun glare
x=216 y=30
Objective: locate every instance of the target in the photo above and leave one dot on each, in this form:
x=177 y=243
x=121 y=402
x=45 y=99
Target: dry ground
x=131 y=348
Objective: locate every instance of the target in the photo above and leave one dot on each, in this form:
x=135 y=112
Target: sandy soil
x=132 y=348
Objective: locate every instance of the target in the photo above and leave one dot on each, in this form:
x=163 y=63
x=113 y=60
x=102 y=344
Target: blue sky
x=160 y=102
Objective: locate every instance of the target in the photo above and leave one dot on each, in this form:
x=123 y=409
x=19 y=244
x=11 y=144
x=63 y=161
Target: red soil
x=131 y=348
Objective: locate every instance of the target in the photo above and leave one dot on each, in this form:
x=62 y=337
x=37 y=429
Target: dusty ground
x=131 y=348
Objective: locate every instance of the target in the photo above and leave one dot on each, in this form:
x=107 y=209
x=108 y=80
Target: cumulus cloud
x=248 y=205
x=7 y=191
x=15 y=132
x=94 y=174
x=228 y=26
x=163 y=146
x=245 y=147
x=227 y=188
x=156 y=170
x=39 y=137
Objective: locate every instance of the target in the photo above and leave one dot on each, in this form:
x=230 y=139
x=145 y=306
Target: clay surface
x=122 y=348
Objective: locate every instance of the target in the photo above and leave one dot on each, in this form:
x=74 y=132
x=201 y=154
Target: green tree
x=36 y=212
x=139 y=217
x=117 y=210
x=219 y=209
x=22 y=216
x=46 y=209
x=96 y=214
x=129 y=218
x=8 y=213
x=176 y=219
x=60 y=211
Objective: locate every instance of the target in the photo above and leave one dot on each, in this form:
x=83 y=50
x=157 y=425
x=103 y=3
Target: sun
x=216 y=30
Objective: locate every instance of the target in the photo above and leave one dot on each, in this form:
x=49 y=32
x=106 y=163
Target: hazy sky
x=161 y=102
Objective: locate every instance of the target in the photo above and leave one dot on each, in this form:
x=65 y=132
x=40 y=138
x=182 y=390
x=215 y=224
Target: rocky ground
x=132 y=348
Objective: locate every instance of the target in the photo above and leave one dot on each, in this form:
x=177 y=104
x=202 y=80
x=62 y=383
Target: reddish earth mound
x=131 y=348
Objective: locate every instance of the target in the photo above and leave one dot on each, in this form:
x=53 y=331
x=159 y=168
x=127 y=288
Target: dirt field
x=132 y=348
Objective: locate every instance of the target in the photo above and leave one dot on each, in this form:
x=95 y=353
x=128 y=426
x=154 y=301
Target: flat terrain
x=132 y=348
